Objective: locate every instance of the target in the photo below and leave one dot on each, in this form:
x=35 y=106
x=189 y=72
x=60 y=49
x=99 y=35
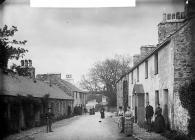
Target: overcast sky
x=70 y=41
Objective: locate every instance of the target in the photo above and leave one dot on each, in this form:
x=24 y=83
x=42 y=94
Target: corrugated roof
x=14 y=85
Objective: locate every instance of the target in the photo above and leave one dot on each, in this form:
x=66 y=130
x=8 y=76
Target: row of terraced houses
x=24 y=98
x=160 y=71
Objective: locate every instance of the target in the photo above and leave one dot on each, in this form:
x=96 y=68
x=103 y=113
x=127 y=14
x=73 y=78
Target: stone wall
x=166 y=28
x=170 y=23
x=184 y=63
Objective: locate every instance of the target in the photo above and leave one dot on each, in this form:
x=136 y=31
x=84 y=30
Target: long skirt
x=128 y=127
x=121 y=121
x=159 y=124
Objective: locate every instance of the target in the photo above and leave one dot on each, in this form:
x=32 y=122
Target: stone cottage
x=160 y=71
x=78 y=95
x=24 y=102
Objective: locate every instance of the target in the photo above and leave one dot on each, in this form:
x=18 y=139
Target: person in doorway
x=149 y=114
x=159 y=123
x=121 y=121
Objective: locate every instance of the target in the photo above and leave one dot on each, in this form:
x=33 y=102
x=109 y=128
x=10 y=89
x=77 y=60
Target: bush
x=175 y=135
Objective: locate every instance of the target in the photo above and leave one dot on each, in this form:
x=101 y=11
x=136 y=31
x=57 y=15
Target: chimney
x=170 y=23
x=146 y=49
x=190 y=8
x=26 y=63
x=30 y=63
x=164 y=17
x=136 y=59
x=22 y=63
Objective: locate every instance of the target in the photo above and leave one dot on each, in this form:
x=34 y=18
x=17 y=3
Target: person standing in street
x=149 y=114
x=128 y=122
x=49 y=119
x=159 y=123
x=121 y=121
x=102 y=112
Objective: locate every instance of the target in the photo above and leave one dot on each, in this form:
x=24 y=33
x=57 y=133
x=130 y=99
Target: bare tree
x=103 y=76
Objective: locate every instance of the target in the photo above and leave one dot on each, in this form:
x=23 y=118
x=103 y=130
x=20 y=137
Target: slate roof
x=14 y=85
x=66 y=86
x=159 y=46
x=71 y=87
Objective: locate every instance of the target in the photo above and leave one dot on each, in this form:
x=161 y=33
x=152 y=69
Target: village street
x=86 y=127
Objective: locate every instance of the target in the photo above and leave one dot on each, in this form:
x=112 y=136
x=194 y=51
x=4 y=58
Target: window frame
x=156 y=63
x=138 y=74
x=146 y=69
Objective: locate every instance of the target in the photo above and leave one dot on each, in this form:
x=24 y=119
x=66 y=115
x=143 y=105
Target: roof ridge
x=159 y=45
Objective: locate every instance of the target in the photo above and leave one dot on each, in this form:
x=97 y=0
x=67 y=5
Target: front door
x=140 y=108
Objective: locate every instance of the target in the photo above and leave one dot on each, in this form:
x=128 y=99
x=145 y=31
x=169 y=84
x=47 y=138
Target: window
x=146 y=69
x=156 y=63
x=132 y=77
x=147 y=98
x=137 y=74
x=156 y=98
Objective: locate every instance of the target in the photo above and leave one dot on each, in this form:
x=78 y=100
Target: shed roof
x=18 y=85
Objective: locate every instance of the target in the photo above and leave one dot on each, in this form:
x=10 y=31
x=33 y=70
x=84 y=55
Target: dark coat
x=149 y=111
x=159 y=124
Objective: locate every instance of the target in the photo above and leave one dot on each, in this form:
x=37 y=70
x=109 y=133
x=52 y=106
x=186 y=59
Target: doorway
x=139 y=103
x=165 y=107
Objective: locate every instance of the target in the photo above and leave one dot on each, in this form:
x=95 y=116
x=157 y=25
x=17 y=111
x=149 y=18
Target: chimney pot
x=136 y=59
x=30 y=63
x=26 y=63
x=164 y=17
x=22 y=63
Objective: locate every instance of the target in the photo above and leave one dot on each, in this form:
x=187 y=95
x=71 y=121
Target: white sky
x=69 y=40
